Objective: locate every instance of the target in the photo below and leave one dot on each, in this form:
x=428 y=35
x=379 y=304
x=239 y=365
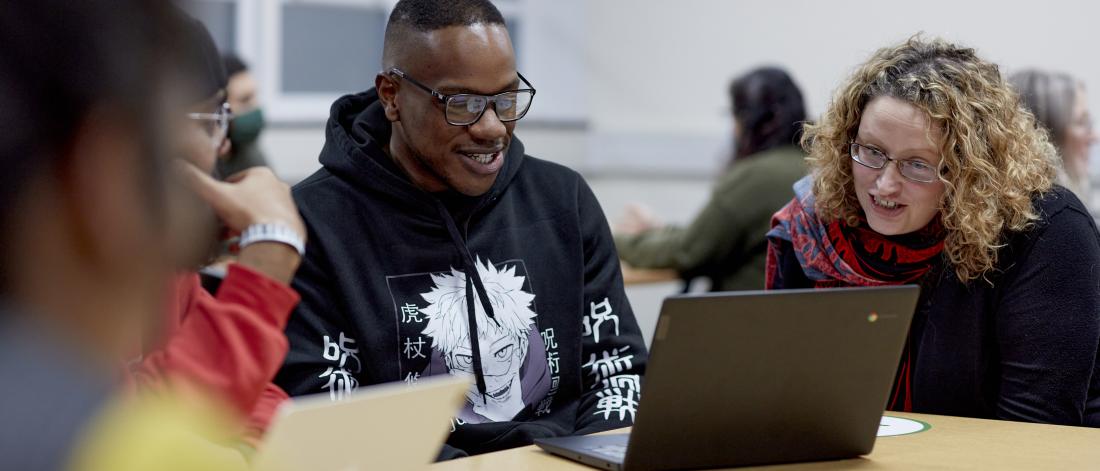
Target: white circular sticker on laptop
x=891 y=426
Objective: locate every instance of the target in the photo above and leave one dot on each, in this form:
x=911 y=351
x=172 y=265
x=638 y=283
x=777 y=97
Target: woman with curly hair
x=926 y=170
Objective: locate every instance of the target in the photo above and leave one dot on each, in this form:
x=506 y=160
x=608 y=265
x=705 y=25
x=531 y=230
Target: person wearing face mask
x=248 y=119
x=1060 y=105
x=439 y=247
x=926 y=170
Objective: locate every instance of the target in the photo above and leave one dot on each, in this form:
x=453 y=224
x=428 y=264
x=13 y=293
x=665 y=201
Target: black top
x=383 y=286
x=1024 y=345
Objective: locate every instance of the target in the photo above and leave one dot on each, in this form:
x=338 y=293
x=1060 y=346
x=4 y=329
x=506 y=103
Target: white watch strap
x=272 y=232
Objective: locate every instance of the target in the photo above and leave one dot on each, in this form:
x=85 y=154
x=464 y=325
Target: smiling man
x=439 y=247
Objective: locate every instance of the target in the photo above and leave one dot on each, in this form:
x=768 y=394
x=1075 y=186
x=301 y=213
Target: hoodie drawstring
x=470 y=269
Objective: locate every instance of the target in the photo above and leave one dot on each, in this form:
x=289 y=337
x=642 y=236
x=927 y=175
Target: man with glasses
x=230 y=344
x=438 y=247
x=215 y=125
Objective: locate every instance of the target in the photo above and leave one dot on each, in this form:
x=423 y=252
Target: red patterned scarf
x=833 y=254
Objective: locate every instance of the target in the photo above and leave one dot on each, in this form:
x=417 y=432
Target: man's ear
x=387 y=93
x=225 y=149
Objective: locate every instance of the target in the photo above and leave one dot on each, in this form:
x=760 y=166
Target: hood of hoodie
x=356 y=137
x=357 y=134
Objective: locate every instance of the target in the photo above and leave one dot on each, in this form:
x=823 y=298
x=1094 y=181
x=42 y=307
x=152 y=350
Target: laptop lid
x=768 y=377
x=389 y=426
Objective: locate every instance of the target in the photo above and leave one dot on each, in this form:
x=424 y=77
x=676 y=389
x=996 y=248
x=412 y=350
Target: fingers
x=639 y=212
x=236 y=177
x=642 y=216
x=197 y=179
x=209 y=189
x=252 y=196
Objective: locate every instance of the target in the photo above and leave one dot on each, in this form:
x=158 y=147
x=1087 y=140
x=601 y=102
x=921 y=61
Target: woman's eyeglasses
x=916 y=170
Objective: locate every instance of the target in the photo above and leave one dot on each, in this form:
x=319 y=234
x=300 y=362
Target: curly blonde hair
x=995 y=160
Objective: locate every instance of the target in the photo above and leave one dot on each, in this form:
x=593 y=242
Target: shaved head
x=412 y=20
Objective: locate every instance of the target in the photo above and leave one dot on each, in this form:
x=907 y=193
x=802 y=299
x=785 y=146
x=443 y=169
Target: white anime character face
x=503 y=340
x=502 y=356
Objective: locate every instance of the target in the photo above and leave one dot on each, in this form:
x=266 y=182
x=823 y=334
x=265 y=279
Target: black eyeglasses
x=915 y=170
x=464 y=109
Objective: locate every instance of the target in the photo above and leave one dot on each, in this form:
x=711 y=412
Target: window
x=307 y=53
x=330 y=48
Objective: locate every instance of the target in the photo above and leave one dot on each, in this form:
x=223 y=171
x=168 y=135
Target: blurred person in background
x=1060 y=105
x=88 y=210
x=725 y=242
x=925 y=170
x=228 y=345
x=248 y=119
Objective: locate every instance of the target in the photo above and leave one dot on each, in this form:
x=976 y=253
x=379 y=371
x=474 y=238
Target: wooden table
x=951 y=443
x=635 y=276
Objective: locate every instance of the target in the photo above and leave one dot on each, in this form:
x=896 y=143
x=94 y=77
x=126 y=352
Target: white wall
x=655 y=72
x=660 y=67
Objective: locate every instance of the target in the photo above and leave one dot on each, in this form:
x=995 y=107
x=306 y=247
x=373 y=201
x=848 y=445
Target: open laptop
x=389 y=426
x=749 y=378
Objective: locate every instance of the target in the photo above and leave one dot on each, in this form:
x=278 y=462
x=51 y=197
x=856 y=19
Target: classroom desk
x=951 y=443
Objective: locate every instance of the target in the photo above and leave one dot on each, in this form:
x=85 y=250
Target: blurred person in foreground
x=1061 y=106
x=927 y=171
x=89 y=212
x=725 y=242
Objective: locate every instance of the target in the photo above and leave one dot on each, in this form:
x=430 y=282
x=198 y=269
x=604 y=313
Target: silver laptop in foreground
x=749 y=378
x=390 y=426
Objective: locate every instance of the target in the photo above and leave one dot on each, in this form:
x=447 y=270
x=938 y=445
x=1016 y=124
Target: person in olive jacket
x=725 y=242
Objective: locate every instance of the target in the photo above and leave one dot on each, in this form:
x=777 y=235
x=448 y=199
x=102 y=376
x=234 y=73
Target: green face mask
x=245 y=128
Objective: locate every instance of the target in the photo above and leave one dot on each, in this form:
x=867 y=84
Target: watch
x=272 y=232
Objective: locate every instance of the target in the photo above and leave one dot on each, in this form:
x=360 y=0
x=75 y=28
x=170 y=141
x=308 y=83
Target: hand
x=253 y=196
x=637 y=219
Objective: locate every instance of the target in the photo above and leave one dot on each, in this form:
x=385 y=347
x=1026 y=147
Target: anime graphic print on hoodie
x=435 y=337
x=548 y=337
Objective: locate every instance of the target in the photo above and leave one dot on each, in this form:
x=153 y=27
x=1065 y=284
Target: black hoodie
x=384 y=291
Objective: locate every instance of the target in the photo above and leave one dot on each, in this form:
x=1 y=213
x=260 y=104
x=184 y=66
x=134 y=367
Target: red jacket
x=229 y=346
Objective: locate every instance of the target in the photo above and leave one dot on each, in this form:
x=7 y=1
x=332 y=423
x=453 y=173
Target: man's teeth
x=482 y=158
x=885 y=203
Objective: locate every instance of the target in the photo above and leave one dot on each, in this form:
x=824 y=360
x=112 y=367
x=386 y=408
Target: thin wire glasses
x=464 y=109
x=916 y=170
x=215 y=124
